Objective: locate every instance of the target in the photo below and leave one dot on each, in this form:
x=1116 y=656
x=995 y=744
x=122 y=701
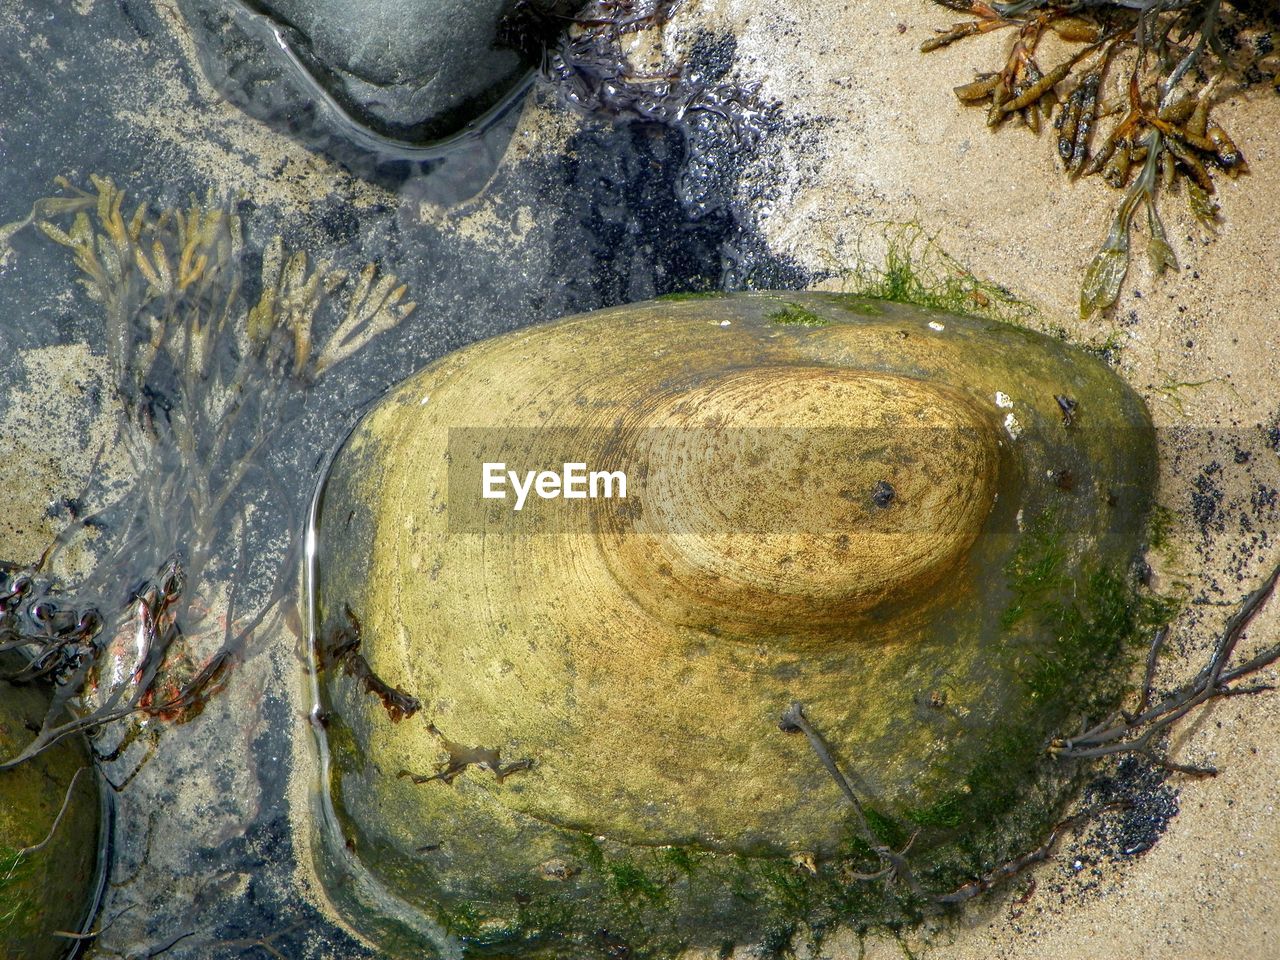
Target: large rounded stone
x=916 y=525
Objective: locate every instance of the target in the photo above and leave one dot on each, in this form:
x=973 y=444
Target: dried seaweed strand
x=1167 y=129
x=893 y=863
x=340 y=646
x=1139 y=732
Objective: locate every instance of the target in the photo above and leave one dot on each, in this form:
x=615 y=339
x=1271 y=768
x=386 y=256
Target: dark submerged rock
x=50 y=832
x=417 y=70
x=376 y=84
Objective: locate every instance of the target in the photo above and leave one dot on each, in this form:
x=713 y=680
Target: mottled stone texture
x=604 y=679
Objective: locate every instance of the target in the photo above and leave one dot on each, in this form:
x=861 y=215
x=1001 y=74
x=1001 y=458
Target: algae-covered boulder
x=572 y=582
x=49 y=874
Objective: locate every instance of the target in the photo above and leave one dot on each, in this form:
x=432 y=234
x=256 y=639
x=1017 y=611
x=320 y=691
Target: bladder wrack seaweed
x=208 y=364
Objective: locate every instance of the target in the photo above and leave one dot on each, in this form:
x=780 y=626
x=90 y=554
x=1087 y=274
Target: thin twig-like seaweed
x=1140 y=731
x=893 y=863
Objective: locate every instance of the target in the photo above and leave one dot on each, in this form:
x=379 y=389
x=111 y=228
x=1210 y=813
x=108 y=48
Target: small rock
x=419 y=69
x=49 y=870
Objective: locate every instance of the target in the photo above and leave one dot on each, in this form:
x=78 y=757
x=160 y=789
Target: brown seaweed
x=208 y=363
x=1173 y=55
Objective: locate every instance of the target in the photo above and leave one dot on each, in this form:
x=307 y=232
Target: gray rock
x=417 y=68
x=385 y=123
x=378 y=84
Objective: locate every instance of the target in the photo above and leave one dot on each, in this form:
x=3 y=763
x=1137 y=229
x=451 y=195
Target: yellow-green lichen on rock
x=49 y=867
x=559 y=729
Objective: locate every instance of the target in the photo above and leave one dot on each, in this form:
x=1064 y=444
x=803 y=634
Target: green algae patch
x=49 y=834
x=571 y=730
x=913 y=269
x=794 y=316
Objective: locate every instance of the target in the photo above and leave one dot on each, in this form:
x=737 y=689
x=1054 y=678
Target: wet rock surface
x=411 y=70
x=50 y=833
x=584 y=684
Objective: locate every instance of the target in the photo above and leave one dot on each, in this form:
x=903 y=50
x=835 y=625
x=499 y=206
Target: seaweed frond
x=209 y=362
x=1169 y=56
